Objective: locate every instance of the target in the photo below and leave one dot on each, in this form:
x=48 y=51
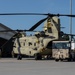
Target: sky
x=35 y=6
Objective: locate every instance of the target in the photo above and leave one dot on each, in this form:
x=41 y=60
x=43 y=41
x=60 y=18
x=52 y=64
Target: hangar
x=6 y=43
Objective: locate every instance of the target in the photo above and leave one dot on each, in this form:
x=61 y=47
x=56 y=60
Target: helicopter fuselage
x=32 y=45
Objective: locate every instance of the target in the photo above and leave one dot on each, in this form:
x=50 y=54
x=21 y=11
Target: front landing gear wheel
x=56 y=60
x=12 y=54
x=19 y=57
x=0 y=53
x=37 y=56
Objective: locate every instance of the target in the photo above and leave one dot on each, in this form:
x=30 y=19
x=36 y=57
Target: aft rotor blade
x=21 y=14
x=51 y=15
x=37 y=24
x=48 y=14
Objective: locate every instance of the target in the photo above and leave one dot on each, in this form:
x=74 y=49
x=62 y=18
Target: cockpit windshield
x=60 y=45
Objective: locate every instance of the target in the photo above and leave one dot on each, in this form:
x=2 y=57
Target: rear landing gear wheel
x=61 y=59
x=70 y=58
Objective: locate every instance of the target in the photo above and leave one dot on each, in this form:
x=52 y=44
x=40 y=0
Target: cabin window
x=30 y=43
x=24 y=44
x=34 y=44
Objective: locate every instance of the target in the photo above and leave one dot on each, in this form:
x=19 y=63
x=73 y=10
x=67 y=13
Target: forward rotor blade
x=37 y=24
x=11 y=30
x=7 y=30
x=18 y=30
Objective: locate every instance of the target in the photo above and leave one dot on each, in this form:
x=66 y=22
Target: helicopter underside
x=32 y=51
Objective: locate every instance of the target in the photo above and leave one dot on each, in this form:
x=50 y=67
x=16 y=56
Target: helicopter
x=39 y=44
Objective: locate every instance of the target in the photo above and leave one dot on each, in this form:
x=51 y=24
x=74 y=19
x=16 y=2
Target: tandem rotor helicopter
x=39 y=44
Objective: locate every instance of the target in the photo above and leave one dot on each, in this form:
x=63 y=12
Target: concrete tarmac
x=12 y=66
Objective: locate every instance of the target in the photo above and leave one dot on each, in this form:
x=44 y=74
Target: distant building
x=6 y=40
x=73 y=44
x=6 y=35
